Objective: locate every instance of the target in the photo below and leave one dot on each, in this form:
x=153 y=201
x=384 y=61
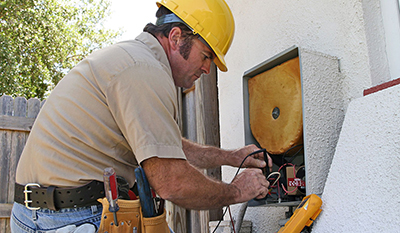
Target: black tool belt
x=35 y=197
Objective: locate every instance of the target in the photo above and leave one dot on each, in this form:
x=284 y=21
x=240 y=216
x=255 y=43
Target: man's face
x=188 y=67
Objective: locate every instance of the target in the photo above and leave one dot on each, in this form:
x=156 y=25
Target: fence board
x=201 y=124
x=16 y=123
x=20 y=107
x=18 y=140
x=5 y=210
x=16 y=119
x=5 y=140
x=6 y=104
x=33 y=107
x=176 y=215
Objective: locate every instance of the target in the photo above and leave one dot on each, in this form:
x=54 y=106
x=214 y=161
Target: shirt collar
x=150 y=41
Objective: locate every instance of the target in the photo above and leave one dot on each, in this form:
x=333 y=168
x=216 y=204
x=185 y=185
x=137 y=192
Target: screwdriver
x=110 y=187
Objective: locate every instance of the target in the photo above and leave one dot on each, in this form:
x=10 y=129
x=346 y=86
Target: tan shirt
x=116 y=108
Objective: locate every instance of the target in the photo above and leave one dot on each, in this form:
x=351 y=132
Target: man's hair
x=164 y=29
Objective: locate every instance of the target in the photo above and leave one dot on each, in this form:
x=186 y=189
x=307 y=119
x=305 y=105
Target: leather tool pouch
x=129 y=216
x=155 y=224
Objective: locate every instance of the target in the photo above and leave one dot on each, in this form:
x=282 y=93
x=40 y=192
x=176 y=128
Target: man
x=118 y=108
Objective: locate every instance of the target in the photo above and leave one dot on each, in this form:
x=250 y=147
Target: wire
x=230 y=215
x=220 y=220
x=237 y=172
x=287 y=192
x=294 y=176
x=271 y=174
x=294 y=155
x=253 y=153
x=276 y=180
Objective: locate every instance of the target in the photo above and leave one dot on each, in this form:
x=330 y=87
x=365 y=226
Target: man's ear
x=174 y=37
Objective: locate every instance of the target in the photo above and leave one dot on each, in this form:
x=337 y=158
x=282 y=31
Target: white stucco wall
x=340 y=28
x=361 y=192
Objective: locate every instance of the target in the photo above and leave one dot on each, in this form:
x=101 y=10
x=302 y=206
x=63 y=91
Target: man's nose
x=206 y=66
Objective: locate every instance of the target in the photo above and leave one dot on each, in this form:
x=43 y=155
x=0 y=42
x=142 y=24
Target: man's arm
x=202 y=156
x=179 y=182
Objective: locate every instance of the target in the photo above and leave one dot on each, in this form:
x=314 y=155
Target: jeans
x=43 y=220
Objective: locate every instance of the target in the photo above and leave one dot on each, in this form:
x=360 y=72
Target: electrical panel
x=279 y=102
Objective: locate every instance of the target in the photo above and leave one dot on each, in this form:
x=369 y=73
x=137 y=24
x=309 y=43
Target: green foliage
x=41 y=40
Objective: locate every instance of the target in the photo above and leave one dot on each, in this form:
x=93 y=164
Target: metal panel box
x=322 y=105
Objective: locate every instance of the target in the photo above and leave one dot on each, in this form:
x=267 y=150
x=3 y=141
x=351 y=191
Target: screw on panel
x=276 y=112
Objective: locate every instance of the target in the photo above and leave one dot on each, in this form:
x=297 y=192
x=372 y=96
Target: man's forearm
x=179 y=182
x=204 y=157
x=210 y=157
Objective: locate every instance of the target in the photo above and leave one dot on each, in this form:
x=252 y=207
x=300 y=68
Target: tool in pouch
x=121 y=210
x=152 y=205
x=154 y=220
x=130 y=216
x=110 y=187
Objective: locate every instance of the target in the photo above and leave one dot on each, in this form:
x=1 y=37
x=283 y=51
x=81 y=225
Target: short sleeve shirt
x=116 y=108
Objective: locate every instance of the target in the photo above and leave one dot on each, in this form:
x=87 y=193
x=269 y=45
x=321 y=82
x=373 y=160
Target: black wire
x=294 y=155
x=253 y=153
x=237 y=172
x=220 y=219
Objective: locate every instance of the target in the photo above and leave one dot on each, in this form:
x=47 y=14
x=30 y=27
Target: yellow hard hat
x=211 y=19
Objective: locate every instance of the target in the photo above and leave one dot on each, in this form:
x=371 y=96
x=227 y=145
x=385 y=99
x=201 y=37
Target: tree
x=41 y=40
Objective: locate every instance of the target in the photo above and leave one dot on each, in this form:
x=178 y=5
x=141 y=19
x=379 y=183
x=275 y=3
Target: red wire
x=283 y=187
x=230 y=215
x=294 y=176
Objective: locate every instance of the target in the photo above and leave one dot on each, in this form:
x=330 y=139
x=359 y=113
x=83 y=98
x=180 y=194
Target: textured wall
x=323 y=115
x=362 y=190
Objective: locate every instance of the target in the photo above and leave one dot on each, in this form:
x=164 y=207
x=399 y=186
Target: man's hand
x=251 y=183
x=202 y=156
x=256 y=160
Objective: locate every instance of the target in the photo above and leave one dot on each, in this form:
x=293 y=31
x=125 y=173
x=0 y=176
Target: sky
x=131 y=16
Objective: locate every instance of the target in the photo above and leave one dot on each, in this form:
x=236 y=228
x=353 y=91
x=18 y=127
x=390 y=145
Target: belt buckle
x=26 y=192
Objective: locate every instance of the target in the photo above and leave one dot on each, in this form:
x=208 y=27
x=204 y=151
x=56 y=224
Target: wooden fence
x=16 y=120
